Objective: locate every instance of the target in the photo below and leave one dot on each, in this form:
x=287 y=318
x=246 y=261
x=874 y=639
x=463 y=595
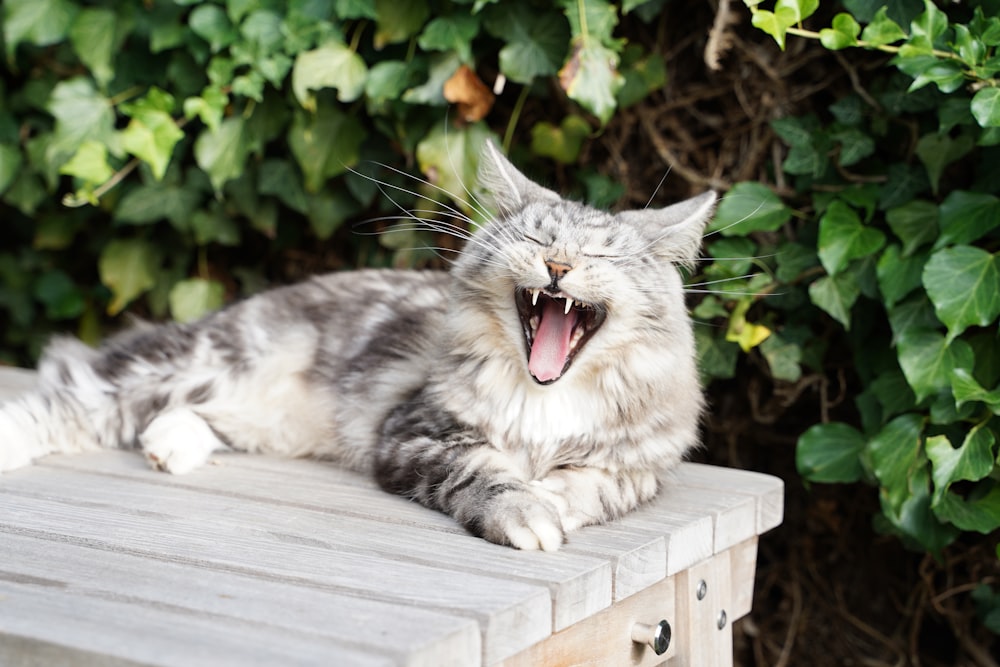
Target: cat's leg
x=178 y=441
x=460 y=474
x=586 y=496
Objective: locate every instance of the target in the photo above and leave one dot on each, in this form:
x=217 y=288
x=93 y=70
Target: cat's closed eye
x=536 y=240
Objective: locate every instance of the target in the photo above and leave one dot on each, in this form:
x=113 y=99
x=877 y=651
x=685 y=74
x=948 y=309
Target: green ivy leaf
x=986 y=107
x=450 y=159
x=62 y=298
x=967 y=217
x=152 y=133
x=776 y=23
x=836 y=295
x=898 y=275
x=592 y=21
x=915 y=223
x=328 y=210
x=561 y=143
x=937 y=151
x=398 y=20
x=81 y=114
x=749 y=207
x=214 y=226
x=332 y=65
x=929 y=26
x=93 y=36
x=928 y=360
x=842 y=238
x=210 y=107
x=784 y=358
x=128 y=268
x=355 y=9
x=325 y=144
x=966 y=390
x=842 y=34
x=222 y=153
x=89 y=163
x=211 y=23
x=882 y=29
x=451 y=33
x=914 y=518
x=534 y=43
x=39 y=22
x=147 y=204
x=855 y=145
x=716 y=356
x=10 y=165
x=896 y=454
x=962 y=283
x=194 y=298
x=913 y=314
x=830 y=453
x=971 y=462
x=591 y=78
x=980 y=514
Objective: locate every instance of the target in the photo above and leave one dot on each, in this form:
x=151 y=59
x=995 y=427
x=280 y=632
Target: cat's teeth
x=577 y=335
x=569 y=306
x=533 y=323
x=534 y=297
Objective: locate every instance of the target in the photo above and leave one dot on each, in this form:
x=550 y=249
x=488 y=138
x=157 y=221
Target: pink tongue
x=551 y=346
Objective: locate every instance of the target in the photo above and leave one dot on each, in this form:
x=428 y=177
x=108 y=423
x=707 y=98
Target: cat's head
x=567 y=283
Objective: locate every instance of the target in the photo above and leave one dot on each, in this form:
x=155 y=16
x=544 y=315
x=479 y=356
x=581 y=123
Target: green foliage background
x=164 y=157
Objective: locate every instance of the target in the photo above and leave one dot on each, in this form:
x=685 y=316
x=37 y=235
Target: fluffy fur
x=521 y=420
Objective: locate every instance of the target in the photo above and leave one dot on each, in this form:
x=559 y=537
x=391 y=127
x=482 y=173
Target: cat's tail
x=73 y=409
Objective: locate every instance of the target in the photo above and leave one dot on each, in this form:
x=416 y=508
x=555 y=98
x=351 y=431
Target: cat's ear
x=510 y=189
x=675 y=231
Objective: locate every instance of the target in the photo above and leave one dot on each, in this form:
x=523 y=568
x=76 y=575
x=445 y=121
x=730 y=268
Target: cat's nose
x=557 y=269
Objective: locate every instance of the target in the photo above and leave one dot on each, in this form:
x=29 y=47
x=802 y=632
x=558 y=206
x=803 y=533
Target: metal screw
x=721 y=622
x=702 y=590
x=657 y=637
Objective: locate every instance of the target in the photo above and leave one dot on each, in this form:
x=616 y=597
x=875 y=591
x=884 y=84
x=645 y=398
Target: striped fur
x=422 y=378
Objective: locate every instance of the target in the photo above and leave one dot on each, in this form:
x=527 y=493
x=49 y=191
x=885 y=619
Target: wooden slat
x=350 y=623
x=768 y=491
x=103 y=515
x=51 y=626
x=580 y=585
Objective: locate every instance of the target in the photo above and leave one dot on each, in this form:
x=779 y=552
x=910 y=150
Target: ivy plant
x=892 y=241
x=156 y=156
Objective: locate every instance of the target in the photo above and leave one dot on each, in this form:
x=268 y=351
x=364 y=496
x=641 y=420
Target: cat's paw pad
x=178 y=442
x=524 y=520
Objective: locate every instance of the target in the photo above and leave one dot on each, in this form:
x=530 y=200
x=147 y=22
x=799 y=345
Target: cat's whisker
x=731 y=293
x=475 y=207
x=725 y=280
x=738 y=222
x=658 y=186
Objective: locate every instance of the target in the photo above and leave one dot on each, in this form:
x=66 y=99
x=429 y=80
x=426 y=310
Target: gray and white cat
x=546 y=382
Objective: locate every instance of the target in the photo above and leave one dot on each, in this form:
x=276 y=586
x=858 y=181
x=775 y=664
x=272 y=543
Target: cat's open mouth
x=556 y=328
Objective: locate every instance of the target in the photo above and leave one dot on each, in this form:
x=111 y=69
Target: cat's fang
x=569 y=306
x=534 y=297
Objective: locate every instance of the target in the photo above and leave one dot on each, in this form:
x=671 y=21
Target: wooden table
x=262 y=561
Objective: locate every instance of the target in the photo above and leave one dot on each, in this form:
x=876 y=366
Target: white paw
x=524 y=520
x=15 y=449
x=178 y=442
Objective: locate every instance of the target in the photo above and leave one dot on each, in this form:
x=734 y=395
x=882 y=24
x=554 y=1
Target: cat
x=546 y=382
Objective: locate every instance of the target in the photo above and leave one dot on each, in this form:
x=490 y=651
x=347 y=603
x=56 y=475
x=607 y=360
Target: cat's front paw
x=178 y=442
x=14 y=449
x=522 y=519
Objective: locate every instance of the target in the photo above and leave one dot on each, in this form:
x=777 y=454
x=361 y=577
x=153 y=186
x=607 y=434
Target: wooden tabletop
x=255 y=560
